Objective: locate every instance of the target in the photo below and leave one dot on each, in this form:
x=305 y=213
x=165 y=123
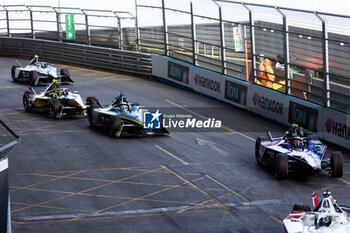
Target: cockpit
x=54 y=89
x=326 y=210
x=121 y=103
x=42 y=65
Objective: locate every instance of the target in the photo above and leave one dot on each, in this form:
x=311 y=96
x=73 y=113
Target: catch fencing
x=313 y=46
x=224 y=36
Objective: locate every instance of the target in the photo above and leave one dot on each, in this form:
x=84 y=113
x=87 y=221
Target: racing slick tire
x=33 y=76
x=257 y=147
x=65 y=75
x=305 y=208
x=112 y=132
x=92 y=103
x=281 y=169
x=337 y=164
x=53 y=111
x=90 y=118
x=13 y=72
x=26 y=100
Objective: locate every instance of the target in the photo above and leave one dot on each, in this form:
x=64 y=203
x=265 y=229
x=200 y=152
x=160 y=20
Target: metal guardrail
x=83 y=55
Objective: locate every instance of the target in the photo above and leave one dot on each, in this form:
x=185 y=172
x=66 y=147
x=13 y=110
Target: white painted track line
x=227 y=188
x=171 y=154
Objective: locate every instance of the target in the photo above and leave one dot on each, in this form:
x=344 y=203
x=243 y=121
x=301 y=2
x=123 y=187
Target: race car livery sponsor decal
x=207 y=83
x=152 y=120
x=338 y=129
x=235 y=92
x=302 y=115
x=178 y=72
x=268 y=104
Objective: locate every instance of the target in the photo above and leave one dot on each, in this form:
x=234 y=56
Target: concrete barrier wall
x=328 y=124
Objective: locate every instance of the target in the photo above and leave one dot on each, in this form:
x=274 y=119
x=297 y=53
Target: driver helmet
x=293 y=132
x=36 y=59
x=123 y=104
x=297 y=142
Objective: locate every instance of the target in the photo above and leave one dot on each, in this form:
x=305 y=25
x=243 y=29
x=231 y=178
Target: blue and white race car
x=296 y=152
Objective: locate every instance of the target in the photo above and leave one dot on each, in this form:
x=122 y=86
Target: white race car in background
x=327 y=217
x=39 y=73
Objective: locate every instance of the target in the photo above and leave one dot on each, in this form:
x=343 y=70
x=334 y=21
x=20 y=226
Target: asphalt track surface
x=66 y=177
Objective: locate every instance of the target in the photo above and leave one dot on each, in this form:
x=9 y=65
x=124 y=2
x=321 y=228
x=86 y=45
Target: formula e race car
x=121 y=118
x=56 y=101
x=327 y=216
x=296 y=152
x=39 y=73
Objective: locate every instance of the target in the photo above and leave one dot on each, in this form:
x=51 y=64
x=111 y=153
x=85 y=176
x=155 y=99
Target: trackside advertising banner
x=335 y=127
x=304 y=114
x=268 y=103
x=172 y=70
x=236 y=92
x=207 y=82
x=328 y=124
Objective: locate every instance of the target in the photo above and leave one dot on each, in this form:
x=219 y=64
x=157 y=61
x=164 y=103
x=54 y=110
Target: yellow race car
x=56 y=101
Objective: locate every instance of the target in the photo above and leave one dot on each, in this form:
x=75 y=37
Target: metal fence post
x=165 y=29
x=31 y=22
x=88 y=40
x=58 y=26
x=120 y=33
x=326 y=97
x=137 y=28
x=285 y=51
x=252 y=42
x=222 y=40
x=7 y=23
x=194 y=47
